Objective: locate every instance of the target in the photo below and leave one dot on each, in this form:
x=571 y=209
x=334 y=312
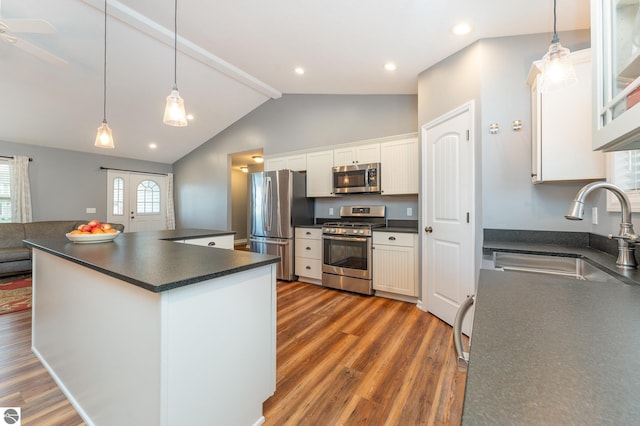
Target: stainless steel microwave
x=356 y=179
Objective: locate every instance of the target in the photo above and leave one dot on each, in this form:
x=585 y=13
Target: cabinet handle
x=308 y=233
x=211 y=243
x=307 y=267
x=308 y=248
x=392 y=238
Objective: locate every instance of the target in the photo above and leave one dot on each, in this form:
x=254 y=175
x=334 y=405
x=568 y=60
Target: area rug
x=15 y=295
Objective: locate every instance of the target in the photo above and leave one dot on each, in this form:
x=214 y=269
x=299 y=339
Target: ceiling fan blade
x=39 y=52
x=29 y=26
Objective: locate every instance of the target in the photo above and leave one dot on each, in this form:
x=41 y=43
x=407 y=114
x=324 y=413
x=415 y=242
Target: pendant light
x=104 y=138
x=557 y=69
x=174 y=112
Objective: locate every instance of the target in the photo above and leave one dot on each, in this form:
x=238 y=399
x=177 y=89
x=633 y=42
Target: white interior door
x=137 y=200
x=448 y=267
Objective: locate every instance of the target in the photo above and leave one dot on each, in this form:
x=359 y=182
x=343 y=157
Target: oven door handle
x=356 y=239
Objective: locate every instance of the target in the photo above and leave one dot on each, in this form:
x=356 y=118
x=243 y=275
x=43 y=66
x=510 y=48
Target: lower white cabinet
x=308 y=253
x=221 y=241
x=395 y=263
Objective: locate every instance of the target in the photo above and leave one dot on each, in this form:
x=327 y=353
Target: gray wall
x=493 y=72
x=291 y=123
x=239 y=203
x=64 y=183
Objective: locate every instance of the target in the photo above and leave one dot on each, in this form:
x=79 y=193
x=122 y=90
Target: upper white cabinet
x=561 y=131
x=399 y=164
x=320 y=174
x=615 y=38
x=362 y=154
x=291 y=162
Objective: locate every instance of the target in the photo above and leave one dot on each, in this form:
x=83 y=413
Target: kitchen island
x=146 y=331
x=548 y=349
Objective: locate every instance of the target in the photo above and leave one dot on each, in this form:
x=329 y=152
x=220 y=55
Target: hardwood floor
x=343 y=359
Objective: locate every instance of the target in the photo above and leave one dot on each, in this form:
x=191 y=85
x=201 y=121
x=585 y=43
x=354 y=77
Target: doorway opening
x=242 y=165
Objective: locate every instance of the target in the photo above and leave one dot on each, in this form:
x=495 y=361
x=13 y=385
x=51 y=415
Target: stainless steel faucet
x=627 y=237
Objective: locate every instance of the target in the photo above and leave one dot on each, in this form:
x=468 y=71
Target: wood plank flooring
x=343 y=359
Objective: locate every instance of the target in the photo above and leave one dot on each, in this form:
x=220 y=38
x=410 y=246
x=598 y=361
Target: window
x=118 y=196
x=148 y=197
x=5 y=192
x=624 y=171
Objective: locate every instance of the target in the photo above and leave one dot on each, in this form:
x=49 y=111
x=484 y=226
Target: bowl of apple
x=93 y=232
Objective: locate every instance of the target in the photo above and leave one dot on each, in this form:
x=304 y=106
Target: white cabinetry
x=291 y=162
x=309 y=254
x=399 y=164
x=362 y=154
x=221 y=241
x=395 y=264
x=561 y=131
x=319 y=174
x=615 y=37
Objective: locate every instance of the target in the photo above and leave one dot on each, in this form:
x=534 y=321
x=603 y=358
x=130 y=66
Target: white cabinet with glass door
x=615 y=38
x=361 y=154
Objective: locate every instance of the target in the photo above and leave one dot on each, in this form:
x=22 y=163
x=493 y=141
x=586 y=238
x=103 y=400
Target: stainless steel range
x=347 y=248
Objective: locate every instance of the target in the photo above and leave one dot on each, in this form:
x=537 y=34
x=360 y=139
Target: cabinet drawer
x=311 y=268
x=394 y=239
x=311 y=233
x=223 y=241
x=309 y=248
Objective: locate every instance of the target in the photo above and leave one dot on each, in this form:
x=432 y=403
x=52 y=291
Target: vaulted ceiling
x=233 y=56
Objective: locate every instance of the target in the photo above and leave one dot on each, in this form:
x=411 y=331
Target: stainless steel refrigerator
x=278 y=202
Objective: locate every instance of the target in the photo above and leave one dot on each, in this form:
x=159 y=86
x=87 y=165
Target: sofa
x=15 y=257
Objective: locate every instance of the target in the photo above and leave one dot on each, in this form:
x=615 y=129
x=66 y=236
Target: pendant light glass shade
x=104 y=137
x=174 y=112
x=557 y=68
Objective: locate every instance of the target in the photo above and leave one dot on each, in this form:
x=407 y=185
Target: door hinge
x=467 y=134
x=467 y=217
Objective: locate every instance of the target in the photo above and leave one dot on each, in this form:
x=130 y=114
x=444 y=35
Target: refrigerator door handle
x=267 y=212
x=278 y=243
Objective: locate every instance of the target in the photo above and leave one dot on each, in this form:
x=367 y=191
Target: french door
x=137 y=200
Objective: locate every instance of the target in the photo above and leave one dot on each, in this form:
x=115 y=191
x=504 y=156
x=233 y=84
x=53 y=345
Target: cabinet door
x=276 y=163
x=368 y=153
x=297 y=163
x=222 y=241
x=400 y=171
x=615 y=36
x=561 y=129
x=394 y=269
x=320 y=174
x=344 y=156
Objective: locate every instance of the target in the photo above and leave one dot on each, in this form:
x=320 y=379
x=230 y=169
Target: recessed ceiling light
x=299 y=70
x=152 y=145
x=390 y=66
x=189 y=116
x=461 y=29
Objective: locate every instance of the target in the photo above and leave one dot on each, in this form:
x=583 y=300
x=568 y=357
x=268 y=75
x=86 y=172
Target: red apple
x=105 y=226
x=94 y=223
x=85 y=228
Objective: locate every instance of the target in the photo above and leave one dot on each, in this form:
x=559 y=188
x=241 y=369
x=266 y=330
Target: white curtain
x=20 y=189
x=171 y=216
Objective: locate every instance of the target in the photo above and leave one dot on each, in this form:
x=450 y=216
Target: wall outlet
x=91 y=209
x=409 y=211
x=594 y=215
x=330 y=211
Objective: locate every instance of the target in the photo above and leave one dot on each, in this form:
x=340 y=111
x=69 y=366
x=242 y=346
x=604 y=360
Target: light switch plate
x=91 y=209
x=330 y=211
x=409 y=211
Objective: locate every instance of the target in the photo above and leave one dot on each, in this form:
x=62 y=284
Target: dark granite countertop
x=553 y=350
x=399 y=229
x=151 y=260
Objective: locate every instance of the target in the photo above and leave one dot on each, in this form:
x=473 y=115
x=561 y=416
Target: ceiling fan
x=9 y=27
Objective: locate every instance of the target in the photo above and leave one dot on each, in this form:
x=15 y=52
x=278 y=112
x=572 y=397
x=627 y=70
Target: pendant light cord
x=104 y=75
x=175 y=45
x=555 y=38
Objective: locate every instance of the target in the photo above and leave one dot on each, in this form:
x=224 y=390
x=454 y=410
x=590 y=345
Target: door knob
x=428 y=229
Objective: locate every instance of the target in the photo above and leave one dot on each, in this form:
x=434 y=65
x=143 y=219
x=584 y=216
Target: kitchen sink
x=572 y=267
